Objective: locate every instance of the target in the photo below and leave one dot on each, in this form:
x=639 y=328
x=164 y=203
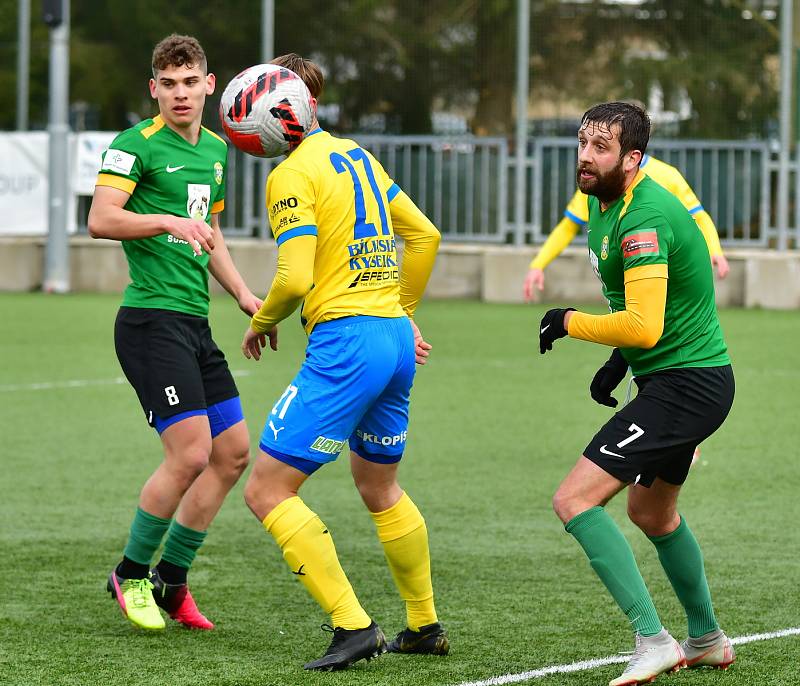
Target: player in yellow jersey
x=576 y=216
x=334 y=212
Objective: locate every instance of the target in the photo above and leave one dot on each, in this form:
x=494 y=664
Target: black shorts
x=171 y=361
x=656 y=433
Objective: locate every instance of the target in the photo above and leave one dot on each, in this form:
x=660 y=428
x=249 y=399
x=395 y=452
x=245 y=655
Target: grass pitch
x=494 y=428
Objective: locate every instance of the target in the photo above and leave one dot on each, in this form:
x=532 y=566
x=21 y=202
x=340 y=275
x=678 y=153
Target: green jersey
x=649 y=226
x=166 y=175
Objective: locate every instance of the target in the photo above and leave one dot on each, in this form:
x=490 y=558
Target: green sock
x=146 y=533
x=182 y=545
x=682 y=560
x=612 y=559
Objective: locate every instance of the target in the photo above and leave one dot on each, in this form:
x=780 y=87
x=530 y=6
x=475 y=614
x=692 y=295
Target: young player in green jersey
x=656 y=274
x=160 y=190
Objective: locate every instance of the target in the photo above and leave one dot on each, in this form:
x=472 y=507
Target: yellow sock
x=309 y=551
x=402 y=531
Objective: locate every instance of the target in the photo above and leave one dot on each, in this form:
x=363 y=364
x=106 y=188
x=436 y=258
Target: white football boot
x=653 y=655
x=713 y=649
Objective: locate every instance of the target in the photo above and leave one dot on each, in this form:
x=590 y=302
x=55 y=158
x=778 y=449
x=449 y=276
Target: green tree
x=495 y=66
x=405 y=60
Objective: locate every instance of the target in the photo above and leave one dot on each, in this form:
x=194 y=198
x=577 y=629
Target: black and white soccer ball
x=266 y=110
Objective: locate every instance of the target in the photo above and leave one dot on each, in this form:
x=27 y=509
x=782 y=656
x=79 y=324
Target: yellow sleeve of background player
x=640 y=324
x=421 y=241
x=575 y=216
x=709 y=231
x=292 y=282
x=559 y=238
x=680 y=188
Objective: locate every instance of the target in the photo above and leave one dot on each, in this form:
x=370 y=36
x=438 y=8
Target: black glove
x=551 y=328
x=608 y=377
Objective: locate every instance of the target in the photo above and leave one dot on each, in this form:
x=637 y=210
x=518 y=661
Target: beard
x=605 y=187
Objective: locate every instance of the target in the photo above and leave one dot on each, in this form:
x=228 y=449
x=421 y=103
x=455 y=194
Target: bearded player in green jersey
x=160 y=190
x=656 y=274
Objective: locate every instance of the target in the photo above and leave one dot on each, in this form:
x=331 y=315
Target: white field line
x=84 y=383
x=602 y=661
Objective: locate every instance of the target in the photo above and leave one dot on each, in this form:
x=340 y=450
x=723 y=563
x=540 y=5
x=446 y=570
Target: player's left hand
x=552 y=328
x=721 y=263
x=607 y=378
x=421 y=347
x=249 y=303
x=253 y=342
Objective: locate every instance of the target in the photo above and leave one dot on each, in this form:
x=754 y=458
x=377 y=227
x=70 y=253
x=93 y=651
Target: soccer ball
x=266 y=110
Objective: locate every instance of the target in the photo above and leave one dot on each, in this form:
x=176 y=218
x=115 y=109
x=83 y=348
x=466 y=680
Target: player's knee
x=652 y=523
x=235 y=461
x=251 y=497
x=564 y=506
x=365 y=489
x=260 y=498
x=378 y=494
x=189 y=464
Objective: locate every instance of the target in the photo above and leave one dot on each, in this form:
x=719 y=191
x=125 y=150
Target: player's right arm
x=575 y=216
x=108 y=218
x=297 y=248
x=121 y=169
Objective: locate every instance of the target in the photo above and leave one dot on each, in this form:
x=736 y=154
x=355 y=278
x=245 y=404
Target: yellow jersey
x=335 y=190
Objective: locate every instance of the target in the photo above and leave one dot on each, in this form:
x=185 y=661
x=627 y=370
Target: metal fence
x=462 y=184
x=731 y=178
x=459 y=183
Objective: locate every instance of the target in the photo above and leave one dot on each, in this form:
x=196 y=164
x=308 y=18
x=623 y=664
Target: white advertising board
x=23 y=178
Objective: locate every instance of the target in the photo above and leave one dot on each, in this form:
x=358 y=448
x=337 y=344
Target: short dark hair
x=307 y=70
x=634 y=124
x=178 y=51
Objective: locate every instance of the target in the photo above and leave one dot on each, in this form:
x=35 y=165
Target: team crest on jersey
x=604 y=248
x=645 y=243
x=199 y=196
x=218 y=172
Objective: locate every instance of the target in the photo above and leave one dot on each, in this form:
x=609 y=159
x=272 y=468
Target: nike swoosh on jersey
x=174 y=169
x=544 y=328
x=608 y=452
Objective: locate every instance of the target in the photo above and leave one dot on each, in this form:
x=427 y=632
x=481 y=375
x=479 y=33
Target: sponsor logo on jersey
x=595 y=264
x=172 y=239
x=281 y=205
x=328 y=446
x=375 y=278
x=372 y=262
x=286 y=221
x=381 y=440
x=371 y=245
x=372 y=253
x=604 y=248
x=199 y=195
x=118 y=161
x=645 y=243
x=218 y=172
x=171 y=169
